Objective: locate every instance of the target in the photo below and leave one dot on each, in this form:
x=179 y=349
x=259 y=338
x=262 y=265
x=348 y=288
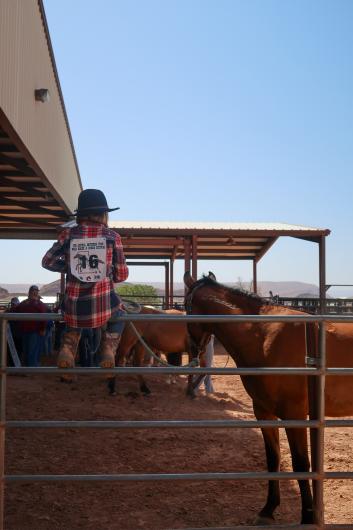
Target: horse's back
x=169 y=337
x=339 y=344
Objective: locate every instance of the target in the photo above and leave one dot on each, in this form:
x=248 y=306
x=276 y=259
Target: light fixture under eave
x=42 y=94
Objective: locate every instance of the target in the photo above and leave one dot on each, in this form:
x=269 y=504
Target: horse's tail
x=311 y=343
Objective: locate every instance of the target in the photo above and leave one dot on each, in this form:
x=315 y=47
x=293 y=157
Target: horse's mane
x=236 y=291
x=252 y=297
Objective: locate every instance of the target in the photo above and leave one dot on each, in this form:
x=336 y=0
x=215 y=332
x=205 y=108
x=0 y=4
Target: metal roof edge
x=218 y=226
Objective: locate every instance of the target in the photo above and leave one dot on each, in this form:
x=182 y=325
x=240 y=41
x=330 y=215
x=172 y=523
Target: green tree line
x=141 y=293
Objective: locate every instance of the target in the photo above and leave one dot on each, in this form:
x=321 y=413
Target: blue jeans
x=31 y=344
x=116 y=327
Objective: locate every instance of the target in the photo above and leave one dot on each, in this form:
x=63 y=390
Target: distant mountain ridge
x=290 y=289
x=18 y=287
x=4 y=292
x=285 y=289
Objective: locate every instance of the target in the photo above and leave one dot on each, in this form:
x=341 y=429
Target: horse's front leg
x=273 y=458
x=298 y=443
x=191 y=386
x=197 y=379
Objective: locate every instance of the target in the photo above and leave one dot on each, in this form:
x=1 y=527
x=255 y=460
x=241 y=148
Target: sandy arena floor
x=151 y=505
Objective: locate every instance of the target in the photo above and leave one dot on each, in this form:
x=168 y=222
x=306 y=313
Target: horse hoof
x=308 y=517
x=133 y=395
x=66 y=379
x=145 y=390
x=113 y=393
x=263 y=520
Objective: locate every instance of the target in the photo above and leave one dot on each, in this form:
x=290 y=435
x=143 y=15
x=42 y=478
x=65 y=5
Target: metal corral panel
x=27 y=63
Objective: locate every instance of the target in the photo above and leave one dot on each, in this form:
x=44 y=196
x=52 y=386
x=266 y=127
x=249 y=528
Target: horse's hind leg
x=120 y=360
x=112 y=385
x=194 y=353
x=298 y=444
x=139 y=356
x=273 y=458
x=175 y=359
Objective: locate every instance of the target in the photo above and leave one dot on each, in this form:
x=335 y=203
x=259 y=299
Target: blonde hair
x=96 y=218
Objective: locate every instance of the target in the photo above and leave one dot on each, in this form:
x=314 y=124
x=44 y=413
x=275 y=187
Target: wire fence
x=317 y=424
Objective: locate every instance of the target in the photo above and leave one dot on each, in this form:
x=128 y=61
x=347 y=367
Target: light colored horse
x=168 y=337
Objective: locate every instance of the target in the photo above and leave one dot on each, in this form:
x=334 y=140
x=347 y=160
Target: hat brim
x=94 y=210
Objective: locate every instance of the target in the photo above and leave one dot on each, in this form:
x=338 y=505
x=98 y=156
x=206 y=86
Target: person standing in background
x=15 y=331
x=32 y=331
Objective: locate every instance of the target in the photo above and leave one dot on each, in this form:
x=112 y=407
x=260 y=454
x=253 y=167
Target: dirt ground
x=148 y=505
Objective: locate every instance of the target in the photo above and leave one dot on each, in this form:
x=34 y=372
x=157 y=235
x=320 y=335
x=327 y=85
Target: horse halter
x=189 y=297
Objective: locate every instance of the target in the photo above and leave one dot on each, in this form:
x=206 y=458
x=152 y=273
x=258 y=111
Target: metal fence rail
x=318 y=425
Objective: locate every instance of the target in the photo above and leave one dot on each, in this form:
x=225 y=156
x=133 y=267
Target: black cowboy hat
x=92 y=202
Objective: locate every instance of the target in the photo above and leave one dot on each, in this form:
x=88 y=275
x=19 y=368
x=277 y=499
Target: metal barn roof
x=39 y=176
x=171 y=239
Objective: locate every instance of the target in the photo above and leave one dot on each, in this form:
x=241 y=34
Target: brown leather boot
x=109 y=345
x=67 y=353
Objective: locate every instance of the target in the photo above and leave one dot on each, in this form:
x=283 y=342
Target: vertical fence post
x=254 y=276
x=166 y=283
x=3 y=355
x=316 y=394
x=320 y=431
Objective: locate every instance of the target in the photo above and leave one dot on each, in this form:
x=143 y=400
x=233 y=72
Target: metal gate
x=316 y=424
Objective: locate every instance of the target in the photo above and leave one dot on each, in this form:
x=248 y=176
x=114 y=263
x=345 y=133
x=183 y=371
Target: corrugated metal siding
x=25 y=65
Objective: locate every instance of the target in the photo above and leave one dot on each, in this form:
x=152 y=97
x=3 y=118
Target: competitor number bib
x=88 y=259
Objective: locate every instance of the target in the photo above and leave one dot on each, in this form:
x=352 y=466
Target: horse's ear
x=188 y=279
x=212 y=276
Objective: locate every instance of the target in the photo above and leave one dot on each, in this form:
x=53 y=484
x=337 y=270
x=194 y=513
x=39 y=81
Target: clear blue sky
x=213 y=111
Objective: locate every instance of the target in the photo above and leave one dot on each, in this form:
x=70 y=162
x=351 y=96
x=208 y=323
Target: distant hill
x=4 y=293
x=18 y=288
x=287 y=289
x=290 y=289
x=311 y=295
x=50 y=289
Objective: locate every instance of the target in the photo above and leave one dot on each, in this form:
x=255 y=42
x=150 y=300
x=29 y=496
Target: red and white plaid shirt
x=88 y=305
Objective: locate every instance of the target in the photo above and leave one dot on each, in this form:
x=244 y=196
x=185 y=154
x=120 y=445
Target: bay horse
x=169 y=337
x=274 y=344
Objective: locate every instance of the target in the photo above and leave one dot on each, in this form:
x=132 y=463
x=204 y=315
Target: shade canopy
x=214 y=241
